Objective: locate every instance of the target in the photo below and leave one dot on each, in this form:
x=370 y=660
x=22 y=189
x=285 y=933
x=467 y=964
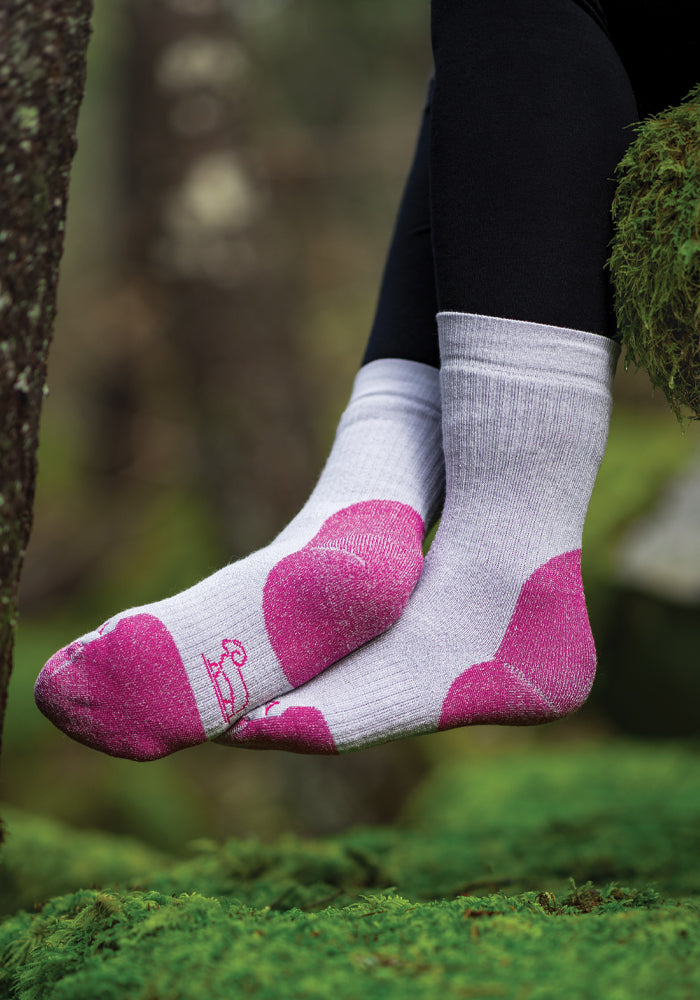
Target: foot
x=496 y=630
x=168 y=675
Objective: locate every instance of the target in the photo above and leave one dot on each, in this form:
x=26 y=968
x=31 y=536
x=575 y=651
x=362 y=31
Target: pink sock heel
x=348 y=584
x=545 y=665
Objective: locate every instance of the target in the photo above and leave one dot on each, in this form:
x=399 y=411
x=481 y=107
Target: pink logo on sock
x=230 y=703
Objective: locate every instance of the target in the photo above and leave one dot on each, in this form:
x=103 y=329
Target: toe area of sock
x=299 y=729
x=125 y=693
x=57 y=691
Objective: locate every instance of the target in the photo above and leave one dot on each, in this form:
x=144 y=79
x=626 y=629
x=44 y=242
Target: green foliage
x=655 y=260
x=391 y=912
x=562 y=785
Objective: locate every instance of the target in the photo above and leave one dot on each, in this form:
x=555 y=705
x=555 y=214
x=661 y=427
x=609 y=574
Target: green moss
x=149 y=945
x=474 y=897
x=521 y=822
x=655 y=260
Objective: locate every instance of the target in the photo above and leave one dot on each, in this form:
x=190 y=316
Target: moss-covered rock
x=655 y=260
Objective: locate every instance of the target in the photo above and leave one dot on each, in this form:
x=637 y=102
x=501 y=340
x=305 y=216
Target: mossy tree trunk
x=43 y=45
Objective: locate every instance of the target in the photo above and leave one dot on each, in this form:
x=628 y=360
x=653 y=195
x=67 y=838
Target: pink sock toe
x=301 y=730
x=126 y=693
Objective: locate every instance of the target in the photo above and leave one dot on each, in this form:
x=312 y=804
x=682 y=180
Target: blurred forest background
x=239 y=166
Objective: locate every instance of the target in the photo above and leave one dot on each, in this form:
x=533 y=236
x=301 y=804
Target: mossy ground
x=567 y=871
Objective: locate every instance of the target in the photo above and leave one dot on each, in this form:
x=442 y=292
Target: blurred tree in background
x=207 y=255
x=240 y=165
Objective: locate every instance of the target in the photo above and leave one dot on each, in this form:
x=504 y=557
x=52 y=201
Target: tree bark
x=43 y=46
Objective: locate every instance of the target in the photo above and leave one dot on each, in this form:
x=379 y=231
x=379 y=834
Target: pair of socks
x=496 y=629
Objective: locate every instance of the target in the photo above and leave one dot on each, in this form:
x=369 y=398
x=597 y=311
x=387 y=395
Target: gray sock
x=163 y=676
x=496 y=630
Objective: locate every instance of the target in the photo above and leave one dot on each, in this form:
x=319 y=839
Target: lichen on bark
x=43 y=46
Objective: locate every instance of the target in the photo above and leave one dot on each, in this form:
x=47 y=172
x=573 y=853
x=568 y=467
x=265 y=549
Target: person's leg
x=528 y=122
x=405 y=324
x=658 y=46
x=167 y=675
x=530 y=110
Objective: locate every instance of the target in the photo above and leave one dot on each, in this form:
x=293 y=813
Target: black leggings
x=506 y=211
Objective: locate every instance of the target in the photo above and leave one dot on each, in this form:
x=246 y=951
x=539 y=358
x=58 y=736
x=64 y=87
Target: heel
x=545 y=665
x=346 y=586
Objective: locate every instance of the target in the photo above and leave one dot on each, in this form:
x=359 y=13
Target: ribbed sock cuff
x=528 y=349
x=398 y=377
